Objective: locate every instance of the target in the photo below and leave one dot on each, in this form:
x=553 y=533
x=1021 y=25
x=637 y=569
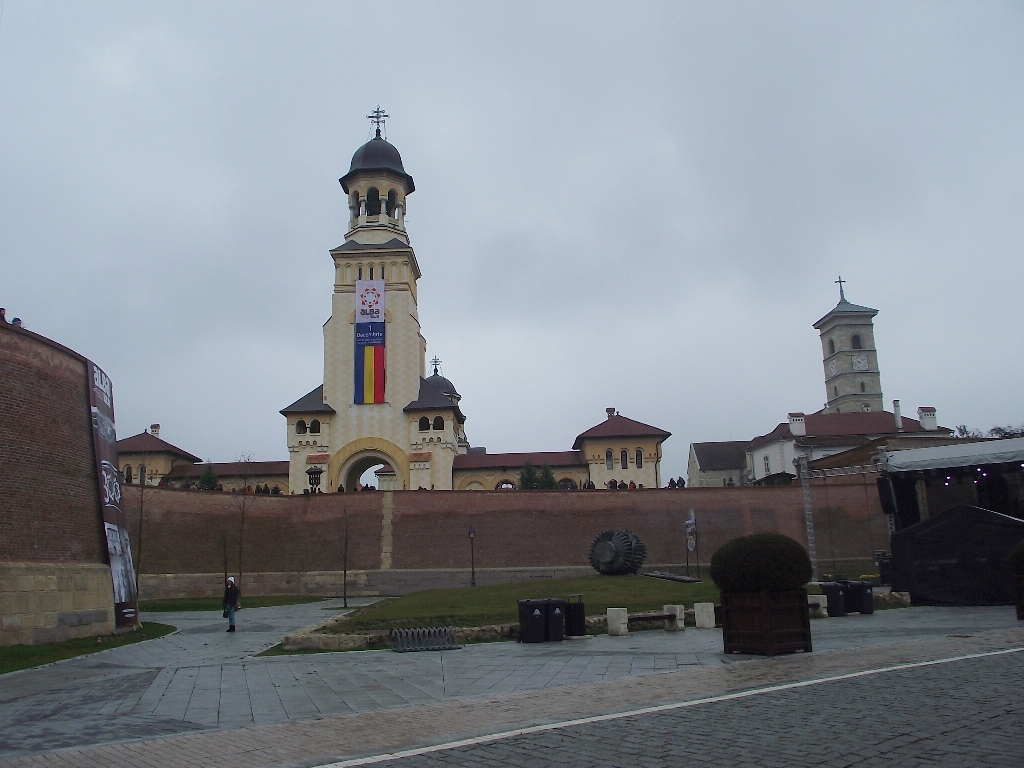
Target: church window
x=862 y=387
x=128 y=474
x=856 y=341
x=359 y=272
x=300 y=427
x=831 y=347
x=438 y=422
x=424 y=423
x=392 y=202
x=609 y=461
x=835 y=391
x=639 y=458
x=767 y=465
x=355 y=203
x=373 y=201
x=314 y=427
x=371 y=272
x=624 y=458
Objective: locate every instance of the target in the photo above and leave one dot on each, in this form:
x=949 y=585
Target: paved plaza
x=201 y=697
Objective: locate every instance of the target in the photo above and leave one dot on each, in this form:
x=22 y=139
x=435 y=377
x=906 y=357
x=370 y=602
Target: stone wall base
x=53 y=602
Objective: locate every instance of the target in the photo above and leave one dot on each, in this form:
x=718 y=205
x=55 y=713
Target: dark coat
x=231 y=595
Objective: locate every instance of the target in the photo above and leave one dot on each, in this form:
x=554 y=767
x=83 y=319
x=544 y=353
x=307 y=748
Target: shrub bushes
x=764 y=561
x=1017 y=560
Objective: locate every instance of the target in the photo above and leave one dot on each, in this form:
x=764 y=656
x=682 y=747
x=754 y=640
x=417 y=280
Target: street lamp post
x=472 y=557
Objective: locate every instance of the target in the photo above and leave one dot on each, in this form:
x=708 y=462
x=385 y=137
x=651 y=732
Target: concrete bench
x=672 y=615
x=818 y=605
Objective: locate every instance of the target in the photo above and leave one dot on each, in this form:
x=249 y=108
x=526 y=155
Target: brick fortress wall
x=408 y=540
x=54 y=581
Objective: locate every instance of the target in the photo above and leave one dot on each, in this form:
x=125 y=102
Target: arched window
x=359 y=273
x=314 y=427
x=300 y=427
x=835 y=391
x=856 y=341
x=624 y=458
x=128 y=474
x=639 y=458
x=831 y=347
x=439 y=422
x=354 y=197
x=373 y=202
x=371 y=273
x=609 y=460
x=392 y=202
x=424 y=423
x=862 y=387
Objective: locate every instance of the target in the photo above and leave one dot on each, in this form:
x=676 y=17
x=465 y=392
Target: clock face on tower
x=860 y=362
x=833 y=369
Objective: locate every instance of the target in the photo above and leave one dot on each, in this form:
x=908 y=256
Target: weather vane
x=841 y=281
x=377 y=117
x=435 y=362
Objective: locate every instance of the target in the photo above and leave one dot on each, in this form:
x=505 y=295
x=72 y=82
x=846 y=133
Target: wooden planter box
x=1019 y=583
x=766 y=623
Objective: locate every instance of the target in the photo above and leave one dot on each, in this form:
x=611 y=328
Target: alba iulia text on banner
x=369 y=358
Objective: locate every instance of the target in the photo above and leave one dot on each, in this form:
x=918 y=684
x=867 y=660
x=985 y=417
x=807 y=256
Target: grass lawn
x=477 y=606
x=214 y=603
x=13 y=657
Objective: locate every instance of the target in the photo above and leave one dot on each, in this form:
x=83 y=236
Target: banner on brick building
x=108 y=477
x=369 y=348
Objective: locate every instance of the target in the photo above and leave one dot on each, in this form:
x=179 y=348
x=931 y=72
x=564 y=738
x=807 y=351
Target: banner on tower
x=369 y=348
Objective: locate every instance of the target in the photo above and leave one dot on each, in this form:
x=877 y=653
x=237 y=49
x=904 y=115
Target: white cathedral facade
x=377 y=405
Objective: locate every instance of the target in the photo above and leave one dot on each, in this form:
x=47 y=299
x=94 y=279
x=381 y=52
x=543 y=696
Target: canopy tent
x=958 y=557
x=959 y=455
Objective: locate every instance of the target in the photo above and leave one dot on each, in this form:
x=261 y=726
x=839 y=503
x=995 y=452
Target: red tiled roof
x=862 y=424
x=517 y=460
x=147 y=443
x=253 y=469
x=620 y=426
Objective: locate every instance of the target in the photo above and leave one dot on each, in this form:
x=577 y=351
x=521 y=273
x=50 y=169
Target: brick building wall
x=54 y=581
x=406 y=540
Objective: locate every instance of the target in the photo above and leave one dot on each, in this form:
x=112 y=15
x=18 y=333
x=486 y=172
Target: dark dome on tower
x=377 y=155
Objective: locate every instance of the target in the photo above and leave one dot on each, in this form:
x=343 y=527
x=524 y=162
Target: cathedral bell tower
x=852 y=379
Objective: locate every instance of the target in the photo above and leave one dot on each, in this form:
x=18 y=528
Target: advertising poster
x=369 y=357
x=104 y=440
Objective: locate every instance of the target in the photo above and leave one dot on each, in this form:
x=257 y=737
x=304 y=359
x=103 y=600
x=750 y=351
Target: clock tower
x=852 y=379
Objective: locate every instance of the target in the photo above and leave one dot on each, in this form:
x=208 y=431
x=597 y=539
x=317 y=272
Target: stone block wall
x=53 y=602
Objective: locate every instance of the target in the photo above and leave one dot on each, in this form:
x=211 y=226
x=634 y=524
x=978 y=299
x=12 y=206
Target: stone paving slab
x=328 y=738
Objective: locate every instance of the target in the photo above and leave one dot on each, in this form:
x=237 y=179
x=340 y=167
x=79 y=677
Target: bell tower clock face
x=860 y=362
x=833 y=369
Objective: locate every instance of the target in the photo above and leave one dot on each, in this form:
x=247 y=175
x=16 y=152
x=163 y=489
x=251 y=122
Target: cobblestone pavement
x=964 y=713
x=201 y=679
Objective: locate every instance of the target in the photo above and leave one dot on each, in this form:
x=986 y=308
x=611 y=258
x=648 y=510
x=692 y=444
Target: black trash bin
x=555 y=630
x=859 y=597
x=532 y=620
x=575 y=616
x=836 y=599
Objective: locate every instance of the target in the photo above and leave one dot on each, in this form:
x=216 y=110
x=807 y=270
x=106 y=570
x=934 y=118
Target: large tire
x=617 y=552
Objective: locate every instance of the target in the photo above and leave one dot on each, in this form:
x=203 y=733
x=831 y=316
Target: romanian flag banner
x=369 y=358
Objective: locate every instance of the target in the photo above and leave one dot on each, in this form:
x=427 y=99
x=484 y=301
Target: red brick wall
x=185 y=531
x=49 y=502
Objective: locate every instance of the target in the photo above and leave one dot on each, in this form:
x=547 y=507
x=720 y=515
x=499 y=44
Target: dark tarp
x=958 y=557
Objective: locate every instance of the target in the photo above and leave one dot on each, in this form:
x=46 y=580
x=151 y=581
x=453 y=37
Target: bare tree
x=344 y=561
x=243 y=503
x=142 y=507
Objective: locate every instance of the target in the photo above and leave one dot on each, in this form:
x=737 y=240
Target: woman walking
x=231 y=604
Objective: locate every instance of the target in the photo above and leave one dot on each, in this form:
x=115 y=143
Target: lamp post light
x=314 y=478
x=472 y=557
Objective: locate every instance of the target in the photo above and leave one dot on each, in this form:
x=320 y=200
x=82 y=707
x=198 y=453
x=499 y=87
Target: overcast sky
x=633 y=205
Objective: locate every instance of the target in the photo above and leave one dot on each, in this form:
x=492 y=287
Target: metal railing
x=423 y=639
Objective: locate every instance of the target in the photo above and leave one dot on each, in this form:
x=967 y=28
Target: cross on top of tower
x=377 y=117
x=436 y=362
x=840 y=281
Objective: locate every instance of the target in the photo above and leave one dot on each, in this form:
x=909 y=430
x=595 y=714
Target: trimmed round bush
x=1017 y=559
x=764 y=561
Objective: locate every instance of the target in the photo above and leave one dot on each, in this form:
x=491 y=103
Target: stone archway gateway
x=348 y=464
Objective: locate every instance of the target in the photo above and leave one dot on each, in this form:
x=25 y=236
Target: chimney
x=926 y=415
x=610 y=412
x=896 y=413
x=797 y=427
x=154 y=430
